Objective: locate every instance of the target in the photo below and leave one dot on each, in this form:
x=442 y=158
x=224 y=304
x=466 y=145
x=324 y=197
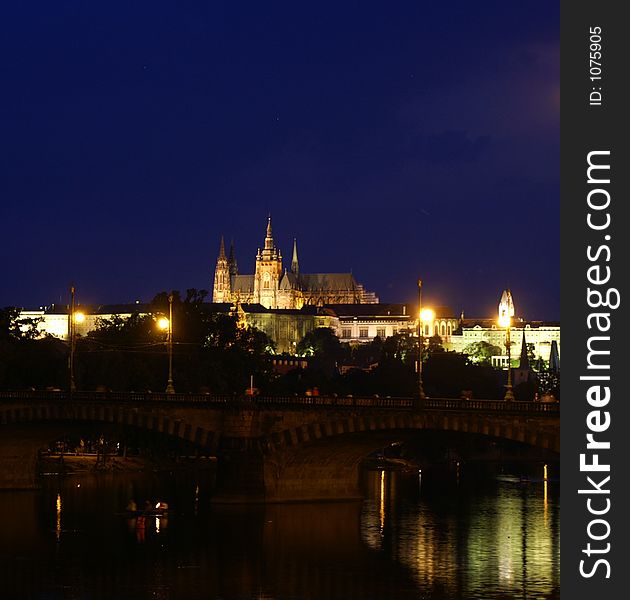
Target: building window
x=380 y=332
x=266 y=281
x=363 y=333
x=346 y=333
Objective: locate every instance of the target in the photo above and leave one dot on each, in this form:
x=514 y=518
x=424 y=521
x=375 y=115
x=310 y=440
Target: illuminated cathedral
x=273 y=286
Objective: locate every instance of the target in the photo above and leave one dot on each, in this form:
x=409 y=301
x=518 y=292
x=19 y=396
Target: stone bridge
x=268 y=448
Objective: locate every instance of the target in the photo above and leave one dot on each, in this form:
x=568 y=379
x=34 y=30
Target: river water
x=420 y=536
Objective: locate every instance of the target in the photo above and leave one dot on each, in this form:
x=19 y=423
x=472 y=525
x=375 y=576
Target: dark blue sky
x=393 y=139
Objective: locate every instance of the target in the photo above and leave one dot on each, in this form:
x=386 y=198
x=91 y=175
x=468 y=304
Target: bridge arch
x=533 y=432
x=320 y=459
x=132 y=416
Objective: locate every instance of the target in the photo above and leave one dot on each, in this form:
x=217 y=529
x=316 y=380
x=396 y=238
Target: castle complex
x=286 y=304
x=276 y=288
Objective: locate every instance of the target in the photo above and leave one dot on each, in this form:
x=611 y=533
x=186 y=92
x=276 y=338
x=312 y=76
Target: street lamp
x=167 y=325
x=75 y=317
x=420 y=342
x=506 y=312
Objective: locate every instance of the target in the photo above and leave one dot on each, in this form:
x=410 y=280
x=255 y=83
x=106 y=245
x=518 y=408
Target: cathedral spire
x=554 y=358
x=295 y=267
x=269 y=237
x=232 y=260
x=524 y=364
x=222 y=248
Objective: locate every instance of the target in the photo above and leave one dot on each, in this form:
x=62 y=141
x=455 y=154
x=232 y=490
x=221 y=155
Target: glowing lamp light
x=427 y=315
x=79 y=317
x=162 y=323
x=504 y=320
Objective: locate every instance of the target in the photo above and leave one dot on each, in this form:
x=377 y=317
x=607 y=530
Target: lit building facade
x=360 y=323
x=443 y=322
x=540 y=334
x=287 y=327
x=54 y=320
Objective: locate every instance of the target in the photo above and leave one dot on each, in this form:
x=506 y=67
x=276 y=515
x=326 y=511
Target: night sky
x=392 y=139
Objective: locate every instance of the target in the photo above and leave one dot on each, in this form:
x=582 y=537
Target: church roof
x=443 y=312
x=328 y=282
x=242 y=283
x=372 y=310
x=289 y=281
x=517 y=323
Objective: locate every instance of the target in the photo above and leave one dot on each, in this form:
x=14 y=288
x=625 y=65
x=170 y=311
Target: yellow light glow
x=79 y=317
x=504 y=320
x=162 y=323
x=58 y=524
x=382 y=505
x=427 y=315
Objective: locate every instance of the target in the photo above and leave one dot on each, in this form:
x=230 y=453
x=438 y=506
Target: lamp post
x=420 y=342
x=167 y=324
x=506 y=312
x=73 y=318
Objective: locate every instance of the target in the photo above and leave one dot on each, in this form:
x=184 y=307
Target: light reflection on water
x=493 y=539
x=414 y=537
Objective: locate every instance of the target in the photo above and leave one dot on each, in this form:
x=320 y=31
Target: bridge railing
x=492 y=405
x=374 y=402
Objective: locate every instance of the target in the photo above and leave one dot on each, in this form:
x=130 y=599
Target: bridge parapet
x=266 y=402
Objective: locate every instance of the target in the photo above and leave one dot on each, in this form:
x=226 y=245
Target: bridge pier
x=18 y=473
x=240 y=477
x=252 y=477
x=18 y=462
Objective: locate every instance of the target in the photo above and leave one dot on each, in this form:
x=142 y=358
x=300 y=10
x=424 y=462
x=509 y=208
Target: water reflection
x=471 y=540
x=58 y=508
x=414 y=537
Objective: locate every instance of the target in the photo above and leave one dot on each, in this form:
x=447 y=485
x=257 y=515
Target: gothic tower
x=221 y=291
x=268 y=272
x=506 y=304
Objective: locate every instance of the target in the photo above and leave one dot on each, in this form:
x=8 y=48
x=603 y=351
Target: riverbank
x=67 y=464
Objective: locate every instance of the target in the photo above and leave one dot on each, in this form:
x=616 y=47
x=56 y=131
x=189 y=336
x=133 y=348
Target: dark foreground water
x=438 y=538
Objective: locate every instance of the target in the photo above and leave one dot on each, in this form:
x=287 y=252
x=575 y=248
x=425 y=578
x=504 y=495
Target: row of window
x=380 y=332
x=346 y=333
x=440 y=329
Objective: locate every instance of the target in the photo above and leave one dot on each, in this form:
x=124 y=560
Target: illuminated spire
x=295 y=267
x=269 y=237
x=506 y=304
x=222 y=248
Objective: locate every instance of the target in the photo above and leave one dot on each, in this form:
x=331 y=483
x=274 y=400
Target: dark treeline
x=387 y=368
x=211 y=352
x=214 y=353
